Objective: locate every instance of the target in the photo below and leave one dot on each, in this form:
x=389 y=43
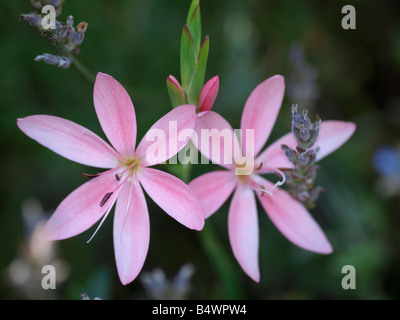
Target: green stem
x=187 y=168
x=215 y=251
x=85 y=73
x=61 y=48
x=186 y=171
x=82 y=70
x=221 y=261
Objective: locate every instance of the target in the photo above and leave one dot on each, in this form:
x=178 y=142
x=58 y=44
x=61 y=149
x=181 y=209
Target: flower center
x=250 y=181
x=130 y=167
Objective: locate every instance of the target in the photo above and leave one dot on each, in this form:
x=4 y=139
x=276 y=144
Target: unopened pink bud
x=208 y=94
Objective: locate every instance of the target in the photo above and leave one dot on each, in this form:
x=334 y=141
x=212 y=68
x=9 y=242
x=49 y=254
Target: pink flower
x=288 y=215
x=128 y=172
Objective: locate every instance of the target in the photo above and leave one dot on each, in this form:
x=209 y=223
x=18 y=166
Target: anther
x=90 y=176
x=259 y=167
x=263 y=191
x=260 y=188
x=105 y=199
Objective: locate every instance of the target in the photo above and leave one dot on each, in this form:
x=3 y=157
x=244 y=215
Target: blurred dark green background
x=350 y=75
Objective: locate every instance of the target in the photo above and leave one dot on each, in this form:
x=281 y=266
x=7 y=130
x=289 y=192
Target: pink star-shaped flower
x=288 y=215
x=128 y=173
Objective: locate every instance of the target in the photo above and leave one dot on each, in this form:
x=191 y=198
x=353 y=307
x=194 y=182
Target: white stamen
x=279 y=183
x=126 y=212
x=108 y=210
x=101 y=223
x=262 y=190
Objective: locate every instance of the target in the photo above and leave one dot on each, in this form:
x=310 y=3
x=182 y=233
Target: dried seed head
x=34 y=19
x=81 y=27
x=290 y=154
x=37 y=3
x=61 y=31
x=47 y=58
x=70 y=21
x=65 y=36
x=304 y=135
x=303 y=160
x=64 y=62
x=55 y=3
x=77 y=38
x=301 y=178
x=303 y=196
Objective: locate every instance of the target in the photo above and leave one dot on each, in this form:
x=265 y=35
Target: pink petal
x=274 y=156
x=216 y=139
x=131 y=231
x=116 y=113
x=173 y=196
x=212 y=189
x=208 y=94
x=243 y=230
x=292 y=219
x=81 y=209
x=261 y=110
x=167 y=136
x=69 y=140
x=332 y=135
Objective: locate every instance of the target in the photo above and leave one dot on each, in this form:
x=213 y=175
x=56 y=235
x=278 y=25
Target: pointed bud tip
x=206 y=39
x=174 y=81
x=214 y=79
x=208 y=94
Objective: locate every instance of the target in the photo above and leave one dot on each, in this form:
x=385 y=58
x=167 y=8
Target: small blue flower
x=386 y=161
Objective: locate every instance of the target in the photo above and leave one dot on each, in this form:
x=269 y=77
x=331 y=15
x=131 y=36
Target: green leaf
x=175 y=92
x=188 y=57
x=197 y=81
x=194 y=24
